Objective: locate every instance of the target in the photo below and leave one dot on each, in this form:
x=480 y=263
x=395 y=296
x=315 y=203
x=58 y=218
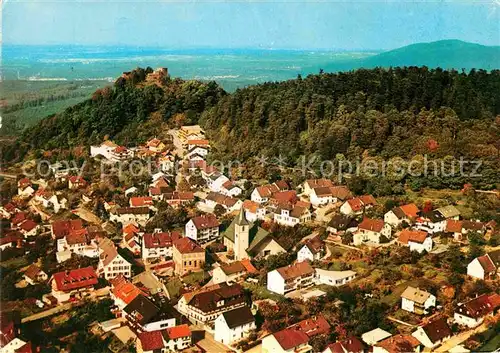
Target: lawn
x=174 y=285
x=195 y=278
x=15 y=263
x=261 y=292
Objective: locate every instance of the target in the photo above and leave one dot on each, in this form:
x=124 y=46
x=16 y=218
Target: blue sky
x=319 y=24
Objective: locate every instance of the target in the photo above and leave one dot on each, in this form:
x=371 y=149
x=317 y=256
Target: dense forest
x=386 y=113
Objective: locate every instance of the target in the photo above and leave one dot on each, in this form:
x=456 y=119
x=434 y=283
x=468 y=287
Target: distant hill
x=447 y=54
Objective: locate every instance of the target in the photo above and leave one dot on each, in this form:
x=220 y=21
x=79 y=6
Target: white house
x=433 y=333
x=50 y=200
x=290 y=278
x=78 y=283
x=111 y=264
x=292 y=215
x=312 y=250
x=376 y=335
x=229 y=188
x=311 y=184
x=253 y=211
x=416 y=240
x=205 y=305
x=230 y=204
x=232 y=272
x=357 y=205
x=158 y=245
x=333 y=278
x=78 y=242
x=29 y=228
x=486 y=266
x=172 y=339
x=24 y=188
x=406 y=213
x=417 y=301
x=111 y=151
x=125 y=215
x=232 y=326
x=34 y=275
x=473 y=312
x=262 y=194
x=215 y=182
x=371 y=231
x=203 y=228
x=321 y=196
x=431 y=222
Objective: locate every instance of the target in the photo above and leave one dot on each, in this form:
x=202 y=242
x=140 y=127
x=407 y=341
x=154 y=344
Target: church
x=248 y=240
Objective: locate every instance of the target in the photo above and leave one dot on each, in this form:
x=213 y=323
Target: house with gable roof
x=158 y=245
x=111 y=263
x=312 y=250
x=416 y=240
x=406 y=213
x=262 y=194
x=205 y=305
x=371 y=231
x=486 y=266
x=349 y=345
x=473 y=312
x=433 y=333
x=203 y=228
x=78 y=283
x=234 y=325
x=188 y=256
x=289 y=278
x=416 y=300
x=172 y=339
x=357 y=205
x=232 y=272
x=321 y=196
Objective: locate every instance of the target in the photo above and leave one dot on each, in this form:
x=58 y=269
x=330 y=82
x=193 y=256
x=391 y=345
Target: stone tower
x=241 y=236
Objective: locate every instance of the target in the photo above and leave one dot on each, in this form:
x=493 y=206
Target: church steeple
x=241 y=220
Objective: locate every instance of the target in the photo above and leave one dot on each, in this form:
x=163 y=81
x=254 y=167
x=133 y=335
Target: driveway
x=210 y=345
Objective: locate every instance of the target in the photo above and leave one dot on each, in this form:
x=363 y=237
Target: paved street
x=460 y=338
x=64 y=307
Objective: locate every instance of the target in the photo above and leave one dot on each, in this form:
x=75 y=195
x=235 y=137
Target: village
x=196 y=259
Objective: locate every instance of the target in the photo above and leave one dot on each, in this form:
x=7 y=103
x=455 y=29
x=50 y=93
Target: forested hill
x=444 y=53
x=383 y=112
x=130 y=111
x=378 y=112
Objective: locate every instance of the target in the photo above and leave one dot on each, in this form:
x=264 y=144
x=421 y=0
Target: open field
x=23 y=103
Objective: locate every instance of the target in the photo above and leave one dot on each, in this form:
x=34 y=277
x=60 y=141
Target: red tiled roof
x=374 y=225
x=399 y=344
x=248 y=265
x=287 y=196
x=151 y=340
x=187 y=246
x=453 y=226
x=315 y=244
x=368 y=200
x=198 y=142
x=313 y=326
x=480 y=306
x=62 y=228
x=18 y=218
x=356 y=204
x=293 y=271
x=160 y=239
x=130 y=228
x=410 y=210
x=74 y=279
x=77 y=179
x=290 y=338
x=178 y=332
x=205 y=221
x=32 y=272
x=315 y=183
x=28 y=225
x=250 y=206
x=126 y=291
x=140 y=201
x=416 y=236
x=486 y=263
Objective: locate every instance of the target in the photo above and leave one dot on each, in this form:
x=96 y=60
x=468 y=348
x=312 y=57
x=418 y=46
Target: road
x=65 y=307
x=460 y=338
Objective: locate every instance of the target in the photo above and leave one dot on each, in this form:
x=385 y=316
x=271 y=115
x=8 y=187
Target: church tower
x=241 y=236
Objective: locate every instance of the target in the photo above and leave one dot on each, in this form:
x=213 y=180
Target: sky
x=278 y=24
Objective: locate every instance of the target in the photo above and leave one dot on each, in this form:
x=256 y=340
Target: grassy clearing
x=261 y=292
x=15 y=263
x=174 y=286
x=195 y=277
